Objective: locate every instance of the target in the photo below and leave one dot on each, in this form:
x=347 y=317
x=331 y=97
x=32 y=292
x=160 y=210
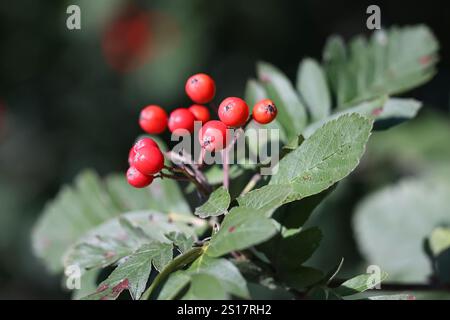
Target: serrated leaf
x=181 y=240
x=115 y=239
x=90 y=202
x=313 y=88
x=291 y=112
x=216 y=205
x=385 y=112
x=266 y=198
x=360 y=283
x=405 y=214
x=329 y=155
x=323 y=159
x=390 y=62
x=136 y=269
x=241 y=228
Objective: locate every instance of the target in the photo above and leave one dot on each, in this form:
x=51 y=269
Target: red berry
x=149 y=160
x=144 y=142
x=233 y=112
x=200 y=88
x=181 y=119
x=213 y=135
x=264 y=111
x=137 y=179
x=131 y=156
x=153 y=119
x=201 y=113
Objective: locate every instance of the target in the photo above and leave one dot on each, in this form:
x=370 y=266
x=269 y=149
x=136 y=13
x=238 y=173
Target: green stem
x=177 y=263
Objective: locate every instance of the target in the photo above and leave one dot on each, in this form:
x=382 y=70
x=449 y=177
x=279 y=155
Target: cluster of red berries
x=146 y=159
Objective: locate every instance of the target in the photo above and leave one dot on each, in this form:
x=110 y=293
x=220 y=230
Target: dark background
x=68 y=101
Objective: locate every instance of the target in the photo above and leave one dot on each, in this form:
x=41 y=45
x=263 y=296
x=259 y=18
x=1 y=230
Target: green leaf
x=313 y=88
x=291 y=251
x=323 y=159
x=134 y=272
x=217 y=204
x=241 y=228
x=329 y=155
x=181 y=240
x=405 y=214
x=360 y=283
x=254 y=92
x=222 y=270
x=385 y=112
x=90 y=202
x=266 y=198
x=390 y=62
x=291 y=112
x=205 y=287
x=119 y=237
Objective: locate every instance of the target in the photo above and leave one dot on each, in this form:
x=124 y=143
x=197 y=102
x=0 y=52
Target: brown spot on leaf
x=377 y=111
x=231 y=229
x=425 y=60
x=120 y=287
x=102 y=287
x=109 y=254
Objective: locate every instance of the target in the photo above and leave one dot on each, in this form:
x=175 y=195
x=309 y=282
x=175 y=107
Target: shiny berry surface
x=213 y=136
x=149 y=160
x=200 y=88
x=201 y=113
x=138 y=180
x=233 y=112
x=153 y=119
x=264 y=111
x=181 y=119
x=144 y=142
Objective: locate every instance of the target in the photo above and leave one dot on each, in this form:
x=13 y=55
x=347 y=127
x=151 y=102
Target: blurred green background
x=70 y=99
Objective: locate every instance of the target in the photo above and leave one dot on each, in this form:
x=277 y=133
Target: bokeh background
x=70 y=100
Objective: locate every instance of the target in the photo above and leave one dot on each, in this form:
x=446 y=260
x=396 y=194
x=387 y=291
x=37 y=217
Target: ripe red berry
x=233 y=112
x=149 y=160
x=264 y=111
x=200 y=88
x=213 y=136
x=201 y=113
x=131 y=156
x=153 y=119
x=137 y=179
x=181 y=119
x=144 y=142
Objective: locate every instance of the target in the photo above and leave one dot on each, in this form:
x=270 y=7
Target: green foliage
x=217 y=204
x=325 y=122
x=392 y=224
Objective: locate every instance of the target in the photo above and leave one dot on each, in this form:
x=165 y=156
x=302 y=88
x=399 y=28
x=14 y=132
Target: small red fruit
x=144 y=142
x=201 y=113
x=153 y=119
x=181 y=119
x=137 y=179
x=200 y=88
x=149 y=160
x=131 y=156
x=264 y=111
x=233 y=112
x=213 y=136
